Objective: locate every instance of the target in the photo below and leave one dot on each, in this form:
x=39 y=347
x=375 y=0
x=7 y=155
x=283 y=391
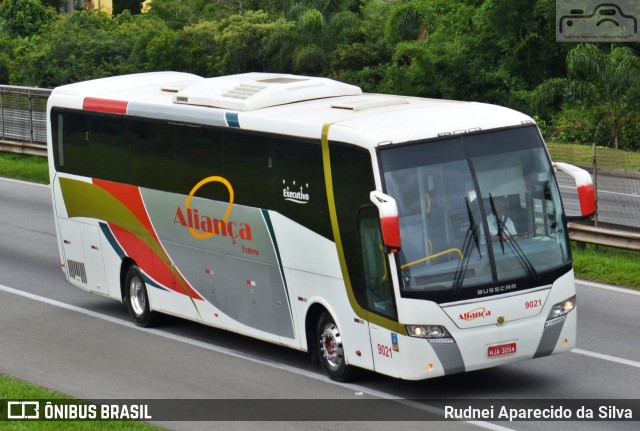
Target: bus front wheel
x=331 y=350
x=137 y=298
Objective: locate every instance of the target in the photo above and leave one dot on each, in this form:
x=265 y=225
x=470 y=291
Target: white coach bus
x=409 y=236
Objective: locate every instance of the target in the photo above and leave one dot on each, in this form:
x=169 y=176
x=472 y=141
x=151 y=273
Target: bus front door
x=379 y=293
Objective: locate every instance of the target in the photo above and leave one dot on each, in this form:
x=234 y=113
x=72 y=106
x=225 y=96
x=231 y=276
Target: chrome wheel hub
x=137 y=296
x=331 y=346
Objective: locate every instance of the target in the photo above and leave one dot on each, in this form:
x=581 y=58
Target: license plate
x=502 y=350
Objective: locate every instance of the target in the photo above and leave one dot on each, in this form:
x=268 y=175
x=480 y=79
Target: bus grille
x=76 y=271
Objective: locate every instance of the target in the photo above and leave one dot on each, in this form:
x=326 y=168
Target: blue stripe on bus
x=272 y=234
x=151 y=282
x=112 y=240
x=232 y=119
x=121 y=254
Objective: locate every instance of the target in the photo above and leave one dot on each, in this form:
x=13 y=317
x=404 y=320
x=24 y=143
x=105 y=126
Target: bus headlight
x=559 y=310
x=428 y=331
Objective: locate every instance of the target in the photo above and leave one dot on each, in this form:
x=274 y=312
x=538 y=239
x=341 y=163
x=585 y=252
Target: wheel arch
x=310 y=323
x=127 y=262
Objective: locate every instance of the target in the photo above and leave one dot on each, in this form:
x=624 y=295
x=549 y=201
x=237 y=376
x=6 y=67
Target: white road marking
x=608 y=287
x=632 y=195
x=609 y=358
x=26 y=183
x=235 y=354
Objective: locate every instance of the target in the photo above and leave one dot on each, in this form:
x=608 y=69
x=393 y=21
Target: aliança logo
x=203 y=226
x=476 y=313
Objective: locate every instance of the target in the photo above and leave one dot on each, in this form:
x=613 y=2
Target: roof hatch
x=249 y=91
x=363 y=103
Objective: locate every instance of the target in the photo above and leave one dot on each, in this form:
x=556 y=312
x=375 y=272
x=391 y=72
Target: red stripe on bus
x=152 y=264
x=130 y=197
x=105 y=105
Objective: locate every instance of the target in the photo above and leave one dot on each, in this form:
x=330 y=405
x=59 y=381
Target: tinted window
x=266 y=171
x=352 y=183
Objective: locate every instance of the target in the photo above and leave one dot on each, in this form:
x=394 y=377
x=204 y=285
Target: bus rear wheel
x=331 y=350
x=137 y=298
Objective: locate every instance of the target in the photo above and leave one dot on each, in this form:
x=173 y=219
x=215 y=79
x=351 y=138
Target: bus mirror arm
x=587 y=217
x=585 y=188
x=389 y=220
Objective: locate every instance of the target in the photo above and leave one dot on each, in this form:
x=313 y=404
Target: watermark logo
x=23 y=410
x=597 y=21
x=71 y=410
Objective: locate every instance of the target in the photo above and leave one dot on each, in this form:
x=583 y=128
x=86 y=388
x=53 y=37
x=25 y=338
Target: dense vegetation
x=497 y=51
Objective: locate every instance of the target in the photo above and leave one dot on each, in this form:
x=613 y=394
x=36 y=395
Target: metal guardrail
x=612 y=237
x=23 y=112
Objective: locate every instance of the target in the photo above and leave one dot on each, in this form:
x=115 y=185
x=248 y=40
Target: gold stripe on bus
x=384 y=322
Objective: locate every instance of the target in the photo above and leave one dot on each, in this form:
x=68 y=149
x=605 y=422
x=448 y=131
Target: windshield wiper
x=473 y=226
x=512 y=243
x=471 y=235
x=499 y=223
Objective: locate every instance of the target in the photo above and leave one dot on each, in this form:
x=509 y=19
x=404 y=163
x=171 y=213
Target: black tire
x=137 y=298
x=331 y=350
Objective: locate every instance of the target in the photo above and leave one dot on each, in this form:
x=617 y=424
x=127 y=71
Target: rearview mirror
x=389 y=220
x=584 y=185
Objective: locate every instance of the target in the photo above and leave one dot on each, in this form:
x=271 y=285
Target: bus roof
x=284 y=104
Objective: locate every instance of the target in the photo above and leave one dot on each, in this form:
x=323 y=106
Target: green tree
x=293 y=9
x=437 y=58
x=514 y=43
x=252 y=42
x=84 y=45
x=143 y=32
x=363 y=57
x=319 y=37
x=178 y=14
x=7 y=45
x=23 y=18
x=597 y=77
x=192 y=49
x=407 y=21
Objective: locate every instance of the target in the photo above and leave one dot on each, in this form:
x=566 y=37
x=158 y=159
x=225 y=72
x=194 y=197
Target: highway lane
x=82 y=354
x=618 y=199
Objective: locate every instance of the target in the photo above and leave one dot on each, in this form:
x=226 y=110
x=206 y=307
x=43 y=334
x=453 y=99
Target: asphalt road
x=57 y=336
x=618 y=199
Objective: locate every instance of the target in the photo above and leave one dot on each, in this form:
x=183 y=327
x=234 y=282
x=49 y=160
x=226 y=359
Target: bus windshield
x=479 y=213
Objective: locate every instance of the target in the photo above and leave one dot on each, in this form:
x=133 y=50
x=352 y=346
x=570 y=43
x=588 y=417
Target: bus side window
x=375 y=268
x=72 y=153
x=247 y=161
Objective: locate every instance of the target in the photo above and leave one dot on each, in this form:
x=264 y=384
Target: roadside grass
x=23 y=167
x=12 y=389
x=582 y=155
x=607 y=265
